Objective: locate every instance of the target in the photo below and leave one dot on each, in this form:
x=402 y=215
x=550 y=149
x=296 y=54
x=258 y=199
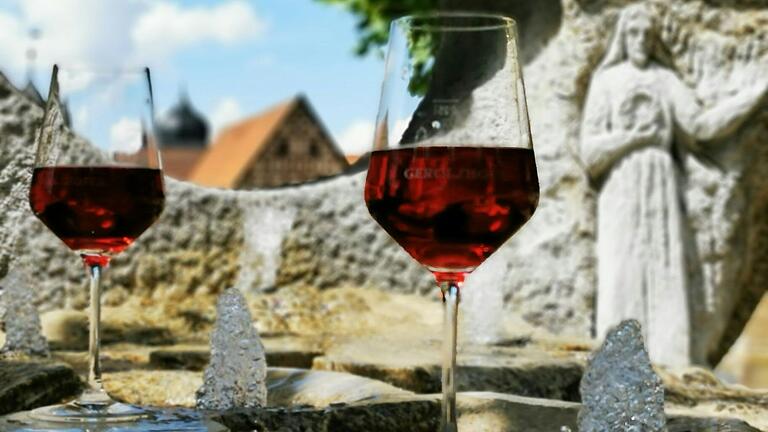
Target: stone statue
x=640 y=122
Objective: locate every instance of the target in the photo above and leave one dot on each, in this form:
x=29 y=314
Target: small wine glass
x=97 y=200
x=452 y=174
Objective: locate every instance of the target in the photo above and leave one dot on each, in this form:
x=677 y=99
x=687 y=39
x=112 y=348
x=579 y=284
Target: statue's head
x=639 y=36
x=636 y=39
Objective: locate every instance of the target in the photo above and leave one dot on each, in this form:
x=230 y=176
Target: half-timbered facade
x=284 y=145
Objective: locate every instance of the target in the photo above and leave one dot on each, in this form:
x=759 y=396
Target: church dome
x=182 y=126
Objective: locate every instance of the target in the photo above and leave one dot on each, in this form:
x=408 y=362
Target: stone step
x=279 y=354
x=27 y=384
x=478 y=411
x=309 y=400
x=286 y=387
x=529 y=369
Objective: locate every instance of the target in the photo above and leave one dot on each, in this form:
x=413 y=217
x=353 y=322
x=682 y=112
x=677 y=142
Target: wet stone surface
x=690 y=424
x=300 y=397
x=26 y=384
x=196 y=358
x=529 y=368
x=159 y=420
x=286 y=387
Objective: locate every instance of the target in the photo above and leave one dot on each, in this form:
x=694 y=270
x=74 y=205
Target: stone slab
x=30 y=384
x=310 y=401
x=478 y=412
x=281 y=352
x=67 y=329
x=531 y=369
x=286 y=387
x=696 y=392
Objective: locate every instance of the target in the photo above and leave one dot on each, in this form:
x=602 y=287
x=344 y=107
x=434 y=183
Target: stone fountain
x=349 y=322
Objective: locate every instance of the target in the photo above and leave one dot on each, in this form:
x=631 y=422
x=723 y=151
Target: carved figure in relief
x=640 y=120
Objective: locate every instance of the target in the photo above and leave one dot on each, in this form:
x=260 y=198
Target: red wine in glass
x=452 y=207
x=452 y=174
x=97 y=210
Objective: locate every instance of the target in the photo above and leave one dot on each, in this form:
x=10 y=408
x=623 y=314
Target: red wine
x=452 y=207
x=97 y=209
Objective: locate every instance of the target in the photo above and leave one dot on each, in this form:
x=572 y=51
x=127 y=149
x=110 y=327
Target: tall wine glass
x=97 y=199
x=452 y=174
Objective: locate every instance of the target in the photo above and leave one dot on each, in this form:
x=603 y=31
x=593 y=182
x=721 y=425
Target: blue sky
x=234 y=57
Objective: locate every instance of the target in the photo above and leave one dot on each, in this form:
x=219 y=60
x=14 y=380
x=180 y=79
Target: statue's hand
x=760 y=88
x=760 y=84
x=647 y=135
x=750 y=72
x=753 y=93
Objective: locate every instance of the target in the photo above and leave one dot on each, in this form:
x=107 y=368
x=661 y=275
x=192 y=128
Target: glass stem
x=94 y=396
x=450 y=291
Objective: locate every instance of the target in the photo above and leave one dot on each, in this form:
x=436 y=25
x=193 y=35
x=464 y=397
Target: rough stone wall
x=550 y=264
x=196 y=244
x=22 y=236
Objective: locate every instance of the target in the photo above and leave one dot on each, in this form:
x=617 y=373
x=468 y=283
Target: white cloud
x=357 y=138
x=82 y=117
x=167 y=27
x=12 y=40
x=226 y=111
x=83 y=32
x=125 y=136
x=119 y=33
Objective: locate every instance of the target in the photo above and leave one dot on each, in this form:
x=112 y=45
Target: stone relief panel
x=663 y=108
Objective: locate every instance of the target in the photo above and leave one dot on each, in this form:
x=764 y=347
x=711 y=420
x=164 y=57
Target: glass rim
x=101 y=70
x=445 y=145
x=111 y=72
x=433 y=21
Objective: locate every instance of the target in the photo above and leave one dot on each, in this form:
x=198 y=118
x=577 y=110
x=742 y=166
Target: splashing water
x=620 y=391
x=237 y=372
x=482 y=302
x=17 y=310
x=263 y=231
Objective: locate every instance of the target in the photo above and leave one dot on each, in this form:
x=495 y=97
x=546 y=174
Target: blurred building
x=183 y=134
x=286 y=144
x=31 y=92
x=34 y=95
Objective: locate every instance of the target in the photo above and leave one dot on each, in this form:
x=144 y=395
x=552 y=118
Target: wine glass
x=452 y=174
x=97 y=200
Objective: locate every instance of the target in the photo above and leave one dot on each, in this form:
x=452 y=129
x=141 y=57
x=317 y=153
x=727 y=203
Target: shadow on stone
x=27 y=384
x=543 y=378
x=197 y=359
x=690 y=424
x=420 y=415
x=67 y=329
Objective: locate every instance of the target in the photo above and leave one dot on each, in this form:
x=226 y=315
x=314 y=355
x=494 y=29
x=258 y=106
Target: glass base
x=157 y=420
x=73 y=412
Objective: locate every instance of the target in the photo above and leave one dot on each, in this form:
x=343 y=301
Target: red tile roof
x=229 y=157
